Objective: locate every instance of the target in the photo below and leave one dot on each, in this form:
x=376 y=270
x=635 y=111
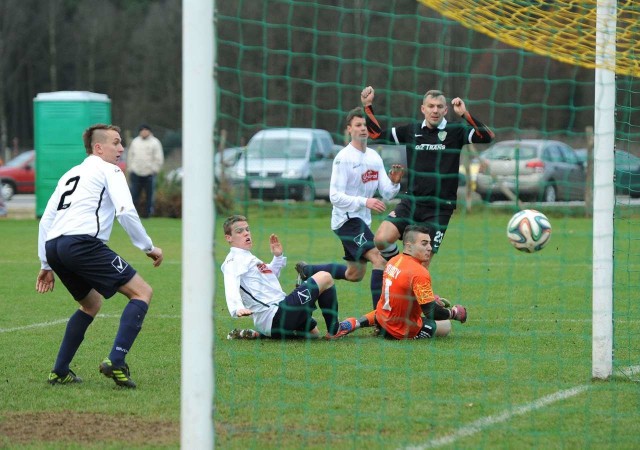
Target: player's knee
x=315 y=333
x=353 y=277
x=91 y=304
x=377 y=261
x=443 y=328
x=323 y=279
x=355 y=272
x=146 y=293
x=138 y=289
x=389 y=252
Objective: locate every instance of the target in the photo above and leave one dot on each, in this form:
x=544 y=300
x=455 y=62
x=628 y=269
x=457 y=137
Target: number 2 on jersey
x=73 y=183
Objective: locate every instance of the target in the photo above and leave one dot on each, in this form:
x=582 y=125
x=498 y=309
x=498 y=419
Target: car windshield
x=508 y=152
x=20 y=159
x=272 y=148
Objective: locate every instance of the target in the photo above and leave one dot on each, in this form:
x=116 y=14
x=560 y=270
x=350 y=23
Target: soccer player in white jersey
x=252 y=289
x=74 y=229
x=358 y=172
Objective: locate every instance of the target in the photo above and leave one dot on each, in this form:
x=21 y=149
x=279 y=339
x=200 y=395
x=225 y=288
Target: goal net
x=518 y=373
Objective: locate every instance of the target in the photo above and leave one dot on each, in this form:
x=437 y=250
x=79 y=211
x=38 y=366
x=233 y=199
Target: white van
x=286 y=163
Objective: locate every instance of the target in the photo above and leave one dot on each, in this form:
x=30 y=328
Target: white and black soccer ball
x=529 y=230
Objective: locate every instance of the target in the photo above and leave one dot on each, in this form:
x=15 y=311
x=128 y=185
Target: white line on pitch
x=481 y=424
x=59 y=321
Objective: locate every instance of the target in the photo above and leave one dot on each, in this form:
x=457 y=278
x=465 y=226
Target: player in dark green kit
x=433 y=158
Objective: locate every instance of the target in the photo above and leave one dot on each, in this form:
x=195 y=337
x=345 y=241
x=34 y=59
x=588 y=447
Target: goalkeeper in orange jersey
x=408 y=308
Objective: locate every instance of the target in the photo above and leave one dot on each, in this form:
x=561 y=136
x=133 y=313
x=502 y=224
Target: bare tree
x=18 y=36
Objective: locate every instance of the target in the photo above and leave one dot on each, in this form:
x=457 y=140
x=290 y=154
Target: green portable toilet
x=59 y=121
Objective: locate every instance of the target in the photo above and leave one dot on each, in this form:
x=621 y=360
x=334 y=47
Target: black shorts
x=83 y=263
x=294 y=319
x=356 y=238
x=437 y=220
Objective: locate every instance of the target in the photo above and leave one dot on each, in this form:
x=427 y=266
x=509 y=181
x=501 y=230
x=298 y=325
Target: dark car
x=18 y=175
x=533 y=169
x=626 y=172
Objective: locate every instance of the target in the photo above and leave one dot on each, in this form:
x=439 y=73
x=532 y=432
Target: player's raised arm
x=483 y=134
x=373 y=127
x=366 y=96
x=276 y=245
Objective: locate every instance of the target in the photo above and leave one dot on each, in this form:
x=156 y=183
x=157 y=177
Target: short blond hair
x=90 y=137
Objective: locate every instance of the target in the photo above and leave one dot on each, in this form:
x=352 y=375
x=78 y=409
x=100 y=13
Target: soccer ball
x=529 y=230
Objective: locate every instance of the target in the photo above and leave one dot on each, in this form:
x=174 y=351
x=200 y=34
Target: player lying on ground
x=252 y=289
x=407 y=308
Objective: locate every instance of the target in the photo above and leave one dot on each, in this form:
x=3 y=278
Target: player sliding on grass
x=252 y=288
x=433 y=158
x=358 y=173
x=407 y=308
x=75 y=226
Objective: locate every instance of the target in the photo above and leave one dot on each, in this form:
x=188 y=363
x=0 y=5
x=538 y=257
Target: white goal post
x=603 y=190
x=198 y=273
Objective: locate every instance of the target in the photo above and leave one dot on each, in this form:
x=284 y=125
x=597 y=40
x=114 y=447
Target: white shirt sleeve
x=130 y=221
x=126 y=212
x=339 y=178
x=158 y=156
x=277 y=264
x=45 y=224
x=232 y=275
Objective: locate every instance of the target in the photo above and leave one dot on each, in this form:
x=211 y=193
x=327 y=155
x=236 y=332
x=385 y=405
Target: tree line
x=279 y=63
x=127 y=49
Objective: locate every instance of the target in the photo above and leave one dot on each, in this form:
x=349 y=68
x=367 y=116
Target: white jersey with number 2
x=85 y=202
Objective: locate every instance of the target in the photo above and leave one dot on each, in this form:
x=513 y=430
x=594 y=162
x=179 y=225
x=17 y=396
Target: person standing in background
x=145 y=158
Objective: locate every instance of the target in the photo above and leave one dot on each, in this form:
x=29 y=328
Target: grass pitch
x=517 y=374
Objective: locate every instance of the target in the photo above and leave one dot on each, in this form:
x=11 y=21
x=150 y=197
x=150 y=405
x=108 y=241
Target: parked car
x=626 y=173
x=534 y=169
x=18 y=175
x=583 y=155
x=222 y=162
x=286 y=163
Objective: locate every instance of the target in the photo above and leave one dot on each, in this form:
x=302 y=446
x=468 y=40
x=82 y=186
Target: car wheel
x=8 y=190
x=308 y=193
x=550 y=194
x=487 y=197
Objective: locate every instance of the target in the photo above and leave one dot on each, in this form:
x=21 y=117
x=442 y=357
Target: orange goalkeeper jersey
x=406 y=286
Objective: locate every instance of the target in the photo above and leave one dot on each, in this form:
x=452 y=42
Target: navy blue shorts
x=83 y=263
x=437 y=220
x=294 y=315
x=356 y=238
